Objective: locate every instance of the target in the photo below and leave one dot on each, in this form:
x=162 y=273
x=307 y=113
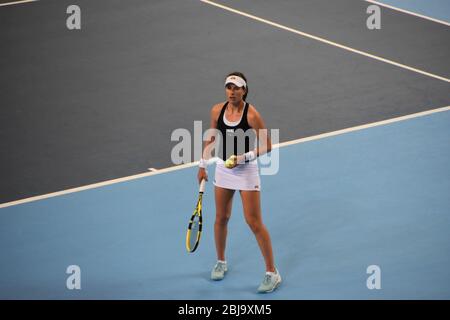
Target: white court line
x=97 y=185
x=335 y=44
x=364 y=126
x=192 y=164
x=16 y=2
x=409 y=12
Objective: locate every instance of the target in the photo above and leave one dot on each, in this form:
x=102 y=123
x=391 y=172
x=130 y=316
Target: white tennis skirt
x=242 y=177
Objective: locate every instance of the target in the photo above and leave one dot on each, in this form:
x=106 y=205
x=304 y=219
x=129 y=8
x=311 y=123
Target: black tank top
x=235 y=140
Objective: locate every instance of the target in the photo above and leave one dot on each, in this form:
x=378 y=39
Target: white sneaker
x=218 y=272
x=270 y=282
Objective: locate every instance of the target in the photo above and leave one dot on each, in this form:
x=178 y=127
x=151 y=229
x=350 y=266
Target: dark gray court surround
x=79 y=107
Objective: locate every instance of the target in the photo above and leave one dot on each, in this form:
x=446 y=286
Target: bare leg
x=252 y=213
x=224 y=202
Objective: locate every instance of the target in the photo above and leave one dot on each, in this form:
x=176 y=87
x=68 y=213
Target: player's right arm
x=208 y=143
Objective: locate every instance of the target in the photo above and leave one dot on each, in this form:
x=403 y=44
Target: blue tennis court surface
x=437 y=9
x=377 y=196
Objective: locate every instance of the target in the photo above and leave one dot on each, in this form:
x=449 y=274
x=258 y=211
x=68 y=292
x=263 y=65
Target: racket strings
x=195 y=227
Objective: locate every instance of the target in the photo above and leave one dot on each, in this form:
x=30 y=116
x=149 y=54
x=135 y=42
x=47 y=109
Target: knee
x=255 y=225
x=222 y=220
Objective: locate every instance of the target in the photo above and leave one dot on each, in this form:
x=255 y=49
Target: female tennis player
x=239 y=173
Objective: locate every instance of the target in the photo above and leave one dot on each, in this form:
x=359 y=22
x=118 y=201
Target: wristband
x=249 y=156
x=203 y=163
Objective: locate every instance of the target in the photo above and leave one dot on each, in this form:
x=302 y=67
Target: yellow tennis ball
x=230 y=162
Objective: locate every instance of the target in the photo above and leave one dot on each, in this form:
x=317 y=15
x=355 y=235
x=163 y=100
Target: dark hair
x=240 y=74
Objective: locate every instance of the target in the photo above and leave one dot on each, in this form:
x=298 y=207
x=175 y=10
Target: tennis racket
x=194 y=230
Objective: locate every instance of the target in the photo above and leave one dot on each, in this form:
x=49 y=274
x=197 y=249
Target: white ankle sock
x=272 y=273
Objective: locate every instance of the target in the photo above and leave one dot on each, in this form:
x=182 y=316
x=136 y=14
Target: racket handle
x=202 y=186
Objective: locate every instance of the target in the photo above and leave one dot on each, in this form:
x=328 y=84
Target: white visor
x=238 y=81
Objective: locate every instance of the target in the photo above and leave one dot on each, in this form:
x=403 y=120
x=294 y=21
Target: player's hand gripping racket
x=195 y=224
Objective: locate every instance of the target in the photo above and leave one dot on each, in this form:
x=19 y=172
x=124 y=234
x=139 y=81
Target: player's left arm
x=264 y=143
x=256 y=121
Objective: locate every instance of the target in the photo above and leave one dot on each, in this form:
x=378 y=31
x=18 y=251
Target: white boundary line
x=307 y=35
x=97 y=185
x=192 y=164
x=16 y=2
x=409 y=12
x=365 y=126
